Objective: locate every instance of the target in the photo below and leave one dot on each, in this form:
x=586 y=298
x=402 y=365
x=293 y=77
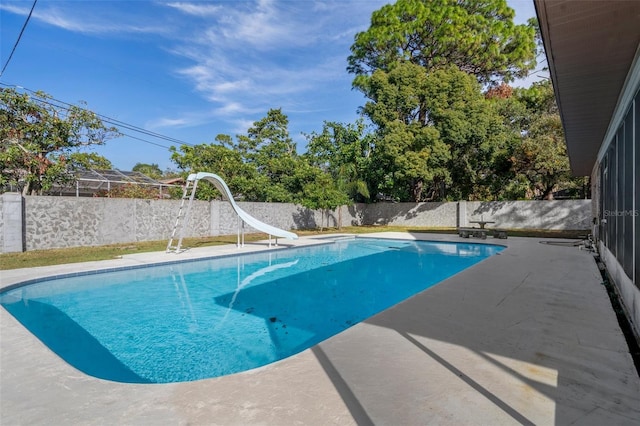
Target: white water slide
x=244 y=216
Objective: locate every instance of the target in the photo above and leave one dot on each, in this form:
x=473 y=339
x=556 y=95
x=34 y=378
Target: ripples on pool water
x=194 y=320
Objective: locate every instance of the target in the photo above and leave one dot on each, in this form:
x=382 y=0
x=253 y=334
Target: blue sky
x=191 y=70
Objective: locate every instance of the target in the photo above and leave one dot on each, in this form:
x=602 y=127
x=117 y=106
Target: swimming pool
x=200 y=319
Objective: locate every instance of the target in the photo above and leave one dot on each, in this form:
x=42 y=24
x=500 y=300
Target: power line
x=144 y=140
x=19 y=37
x=67 y=106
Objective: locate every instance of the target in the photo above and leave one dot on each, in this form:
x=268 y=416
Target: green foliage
x=472 y=128
x=478 y=37
x=343 y=151
x=90 y=160
x=262 y=165
x=541 y=157
x=439 y=137
x=151 y=170
x=225 y=162
x=269 y=148
x=433 y=134
x=323 y=194
x=420 y=64
x=38 y=138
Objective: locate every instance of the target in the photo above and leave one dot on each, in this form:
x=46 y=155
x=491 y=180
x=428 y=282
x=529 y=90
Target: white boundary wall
x=40 y=222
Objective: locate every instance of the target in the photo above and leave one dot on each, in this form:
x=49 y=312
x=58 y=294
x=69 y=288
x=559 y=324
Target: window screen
x=627 y=200
x=611 y=218
x=636 y=211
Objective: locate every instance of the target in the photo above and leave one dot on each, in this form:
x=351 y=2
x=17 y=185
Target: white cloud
x=266 y=27
x=168 y=122
x=76 y=20
x=232 y=108
x=252 y=56
x=182 y=121
x=202 y=10
x=12 y=8
x=243 y=57
x=240 y=126
x=263 y=24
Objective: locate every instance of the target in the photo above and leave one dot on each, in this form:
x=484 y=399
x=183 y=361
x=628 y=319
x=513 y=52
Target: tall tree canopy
x=38 y=138
x=269 y=148
x=422 y=65
x=438 y=136
x=343 y=151
x=541 y=157
x=477 y=36
x=262 y=165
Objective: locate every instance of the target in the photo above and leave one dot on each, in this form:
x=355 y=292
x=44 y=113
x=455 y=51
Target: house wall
x=628 y=292
x=41 y=222
x=617 y=201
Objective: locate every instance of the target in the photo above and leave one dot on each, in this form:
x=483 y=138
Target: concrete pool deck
x=524 y=337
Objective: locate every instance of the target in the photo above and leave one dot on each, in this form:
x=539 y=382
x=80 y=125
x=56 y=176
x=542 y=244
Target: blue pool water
x=199 y=319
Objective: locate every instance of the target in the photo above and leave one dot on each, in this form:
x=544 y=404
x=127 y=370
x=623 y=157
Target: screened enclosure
x=92 y=183
x=620 y=193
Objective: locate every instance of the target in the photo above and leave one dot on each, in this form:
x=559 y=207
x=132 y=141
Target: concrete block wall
x=281 y=215
x=56 y=222
x=553 y=215
x=2 y=225
x=38 y=222
x=443 y=215
x=11 y=223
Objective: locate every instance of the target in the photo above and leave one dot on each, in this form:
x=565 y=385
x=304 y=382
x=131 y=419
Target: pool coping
x=440 y=357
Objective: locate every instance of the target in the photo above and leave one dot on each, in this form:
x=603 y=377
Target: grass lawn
x=85 y=254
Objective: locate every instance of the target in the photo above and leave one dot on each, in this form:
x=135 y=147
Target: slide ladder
x=182 y=219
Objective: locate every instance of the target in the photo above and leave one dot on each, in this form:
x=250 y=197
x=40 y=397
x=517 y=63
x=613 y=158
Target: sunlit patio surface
x=525 y=337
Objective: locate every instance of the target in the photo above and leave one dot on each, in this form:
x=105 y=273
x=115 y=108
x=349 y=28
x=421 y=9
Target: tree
x=322 y=194
x=151 y=170
x=472 y=128
x=507 y=185
x=422 y=64
x=438 y=136
x=269 y=148
x=37 y=138
x=242 y=178
x=478 y=37
x=343 y=151
x=90 y=160
x=541 y=158
x=408 y=160
x=260 y=166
